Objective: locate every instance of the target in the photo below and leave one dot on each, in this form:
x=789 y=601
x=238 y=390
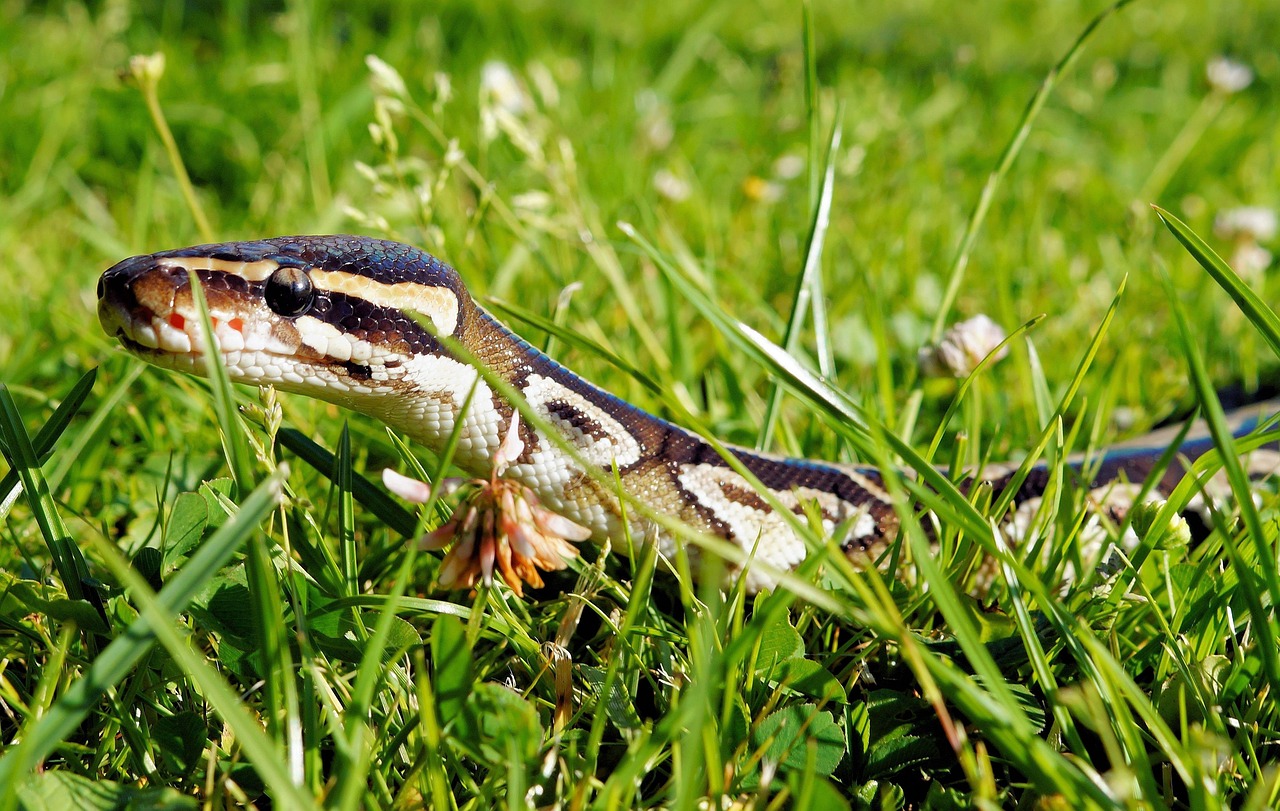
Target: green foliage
x=205 y=598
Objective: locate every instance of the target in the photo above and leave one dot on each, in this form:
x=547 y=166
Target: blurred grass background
x=710 y=98
x=688 y=121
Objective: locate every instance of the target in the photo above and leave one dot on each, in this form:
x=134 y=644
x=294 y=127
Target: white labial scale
x=332 y=342
x=229 y=340
x=170 y=339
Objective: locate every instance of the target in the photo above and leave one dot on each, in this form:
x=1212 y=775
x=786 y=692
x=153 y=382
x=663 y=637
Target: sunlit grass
x=665 y=199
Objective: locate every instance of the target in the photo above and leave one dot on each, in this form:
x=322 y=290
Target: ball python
x=329 y=317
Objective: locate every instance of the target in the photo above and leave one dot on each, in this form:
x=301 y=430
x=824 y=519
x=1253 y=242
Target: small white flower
x=1254 y=223
x=147 y=69
x=962 y=348
x=788 y=167
x=1250 y=259
x=1173 y=534
x=655 y=120
x=385 y=79
x=500 y=87
x=670 y=186
x=1227 y=75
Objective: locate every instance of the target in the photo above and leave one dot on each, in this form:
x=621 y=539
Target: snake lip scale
x=330 y=317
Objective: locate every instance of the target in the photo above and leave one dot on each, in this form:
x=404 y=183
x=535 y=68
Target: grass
x=662 y=200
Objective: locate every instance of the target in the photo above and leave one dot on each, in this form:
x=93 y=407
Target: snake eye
x=289 y=292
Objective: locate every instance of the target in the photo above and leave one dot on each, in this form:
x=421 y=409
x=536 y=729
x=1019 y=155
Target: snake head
x=329 y=316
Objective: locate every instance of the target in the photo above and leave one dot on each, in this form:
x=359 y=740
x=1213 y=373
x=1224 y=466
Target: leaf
x=230 y=606
x=59 y=790
x=819 y=795
x=789 y=732
x=180 y=740
x=508 y=724
x=79 y=612
x=335 y=634
x=148 y=563
x=809 y=678
x=778 y=642
x=211 y=490
x=904 y=734
x=187 y=522
x=620 y=706
x=451 y=665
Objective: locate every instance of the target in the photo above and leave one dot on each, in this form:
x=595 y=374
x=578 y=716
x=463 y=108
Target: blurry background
x=523 y=132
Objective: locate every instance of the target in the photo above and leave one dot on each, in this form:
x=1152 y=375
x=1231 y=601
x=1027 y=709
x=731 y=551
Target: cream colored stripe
x=250 y=271
x=437 y=303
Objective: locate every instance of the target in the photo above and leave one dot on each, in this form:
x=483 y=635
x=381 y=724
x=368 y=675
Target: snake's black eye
x=289 y=292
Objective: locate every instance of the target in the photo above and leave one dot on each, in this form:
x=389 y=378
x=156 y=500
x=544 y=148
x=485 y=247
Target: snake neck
x=665 y=468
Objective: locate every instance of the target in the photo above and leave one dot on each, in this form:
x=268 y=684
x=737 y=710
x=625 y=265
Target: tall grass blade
x=21 y=455
x=1263 y=318
x=45 y=438
x=808 y=295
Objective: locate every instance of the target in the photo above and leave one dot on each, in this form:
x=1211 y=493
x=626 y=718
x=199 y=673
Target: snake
x=367 y=324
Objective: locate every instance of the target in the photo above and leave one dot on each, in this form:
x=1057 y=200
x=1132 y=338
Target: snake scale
x=329 y=317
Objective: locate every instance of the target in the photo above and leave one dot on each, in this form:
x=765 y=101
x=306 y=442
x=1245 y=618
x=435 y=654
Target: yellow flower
x=500 y=524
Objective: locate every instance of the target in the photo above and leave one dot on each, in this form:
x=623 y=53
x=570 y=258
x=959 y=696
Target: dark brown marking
x=569 y=415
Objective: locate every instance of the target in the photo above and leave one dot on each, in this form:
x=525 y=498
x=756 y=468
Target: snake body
x=328 y=317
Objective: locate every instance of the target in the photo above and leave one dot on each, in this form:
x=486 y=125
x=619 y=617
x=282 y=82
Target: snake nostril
x=102 y=285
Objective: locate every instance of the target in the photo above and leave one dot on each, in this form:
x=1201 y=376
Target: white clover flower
x=670 y=186
x=962 y=348
x=1173 y=534
x=1228 y=76
x=500 y=525
x=1254 y=223
x=147 y=69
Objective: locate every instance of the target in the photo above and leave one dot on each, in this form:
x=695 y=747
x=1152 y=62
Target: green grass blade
x=366 y=492
x=342 y=479
x=45 y=438
x=232 y=428
x=575 y=339
x=1263 y=318
x=267 y=756
x=360 y=744
x=23 y=459
x=808 y=294
x=955 y=277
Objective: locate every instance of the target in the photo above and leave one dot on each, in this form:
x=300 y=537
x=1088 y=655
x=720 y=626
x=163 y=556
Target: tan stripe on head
x=250 y=271
x=437 y=303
